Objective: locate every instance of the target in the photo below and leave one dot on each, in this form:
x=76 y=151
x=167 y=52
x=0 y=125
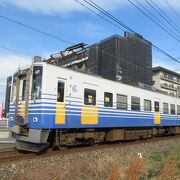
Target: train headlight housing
x=35 y=120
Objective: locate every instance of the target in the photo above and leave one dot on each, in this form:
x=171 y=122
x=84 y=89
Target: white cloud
x=171 y=65
x=66 y=6
x=9 y=64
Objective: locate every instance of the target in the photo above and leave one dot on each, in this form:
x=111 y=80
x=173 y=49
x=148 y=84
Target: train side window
x=135 y=103
x=147 y=105
x=121 y=101
x=60 y=91
x=23 y=90
x=156 y=106
x=108 y=99
x=165 y=108
x=173 y=111
x=89 y=97
x=178 y=109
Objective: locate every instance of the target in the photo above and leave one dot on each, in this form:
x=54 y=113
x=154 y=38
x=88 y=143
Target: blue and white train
x=55 y=106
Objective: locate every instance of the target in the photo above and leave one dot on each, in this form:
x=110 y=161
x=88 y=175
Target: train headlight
x=35 y=119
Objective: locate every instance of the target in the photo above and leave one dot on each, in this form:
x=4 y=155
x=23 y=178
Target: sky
x=72 y=22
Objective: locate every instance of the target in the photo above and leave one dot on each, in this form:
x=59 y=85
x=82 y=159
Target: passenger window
x=165 y=108
x=147 y=105
x=178 y=109
x=60 y=91
x=173 y=111
x=24 y=90
x=135 y=103
x=108 y=99
x=121 y=101
x=89 y=97
x=156 y=106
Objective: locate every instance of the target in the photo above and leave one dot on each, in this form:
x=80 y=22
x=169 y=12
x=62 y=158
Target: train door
x=22 y=83
x=89 y=114
x=61 y=102
x=157 y=112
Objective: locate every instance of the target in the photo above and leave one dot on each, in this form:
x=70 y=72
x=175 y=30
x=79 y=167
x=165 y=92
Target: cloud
x=164 y=63
x=9 y=64
x=60 y=7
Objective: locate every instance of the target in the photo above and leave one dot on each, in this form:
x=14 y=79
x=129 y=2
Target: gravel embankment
x=90 y=165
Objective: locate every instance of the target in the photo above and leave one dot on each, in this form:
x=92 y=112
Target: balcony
x=166 y=86
x=170 y=79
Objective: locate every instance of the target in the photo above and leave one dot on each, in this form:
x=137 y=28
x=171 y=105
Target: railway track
x=13 y=155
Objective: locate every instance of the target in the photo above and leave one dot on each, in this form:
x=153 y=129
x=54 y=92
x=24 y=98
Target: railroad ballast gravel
x=83 y=164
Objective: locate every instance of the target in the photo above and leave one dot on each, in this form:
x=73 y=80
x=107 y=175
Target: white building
x=167 y=81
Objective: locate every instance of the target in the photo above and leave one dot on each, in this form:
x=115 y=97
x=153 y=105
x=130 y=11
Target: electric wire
x=166 y=17
x=155 y=16
x=154 y=21
x=154 y=46
x=34 y=29
x=173 y=10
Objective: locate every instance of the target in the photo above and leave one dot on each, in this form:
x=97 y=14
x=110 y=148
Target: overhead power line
x=172 y=35
x=165 y=16
x=34 y=29
x=15 y=51
x=153 y=16
x=107 y=14
x=173 y=10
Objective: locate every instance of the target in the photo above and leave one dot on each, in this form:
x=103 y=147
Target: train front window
x=37 y=82
x=60 y=91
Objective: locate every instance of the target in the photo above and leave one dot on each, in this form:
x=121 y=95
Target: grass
x=165 y=165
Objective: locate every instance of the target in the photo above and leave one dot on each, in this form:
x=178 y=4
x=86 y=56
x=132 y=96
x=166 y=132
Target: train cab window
x=135 y=103
x=147 y=105
x=37 y=82
x=89 y=97
x=156 y=106
x=23 y=90
x=172 y=107
x=178 y=109
x=121 y=101
x=108 y=99
x=60 y=91
x=165 y=108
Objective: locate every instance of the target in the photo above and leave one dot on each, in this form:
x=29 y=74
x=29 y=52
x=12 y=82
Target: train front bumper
x=35 y=140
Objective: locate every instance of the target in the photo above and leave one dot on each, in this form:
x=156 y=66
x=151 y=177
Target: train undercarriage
x=38 y=140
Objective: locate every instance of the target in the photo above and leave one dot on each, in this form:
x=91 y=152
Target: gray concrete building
x=167 y=81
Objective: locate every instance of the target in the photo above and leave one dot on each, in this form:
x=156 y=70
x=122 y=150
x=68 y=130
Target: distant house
x=167 y=81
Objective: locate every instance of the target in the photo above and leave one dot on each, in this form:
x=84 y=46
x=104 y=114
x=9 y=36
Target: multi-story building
x=167 y=81
x=125 y=59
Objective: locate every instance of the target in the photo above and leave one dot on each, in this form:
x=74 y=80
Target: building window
x=108 y=99
x=156 y=106
x=89 y=97
x=147 y=105
x=173 y=111
x=178 y=109
x=165 y=108
x=135 y=103
x=60 y=91
x=24 y=90
x=121 y=101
